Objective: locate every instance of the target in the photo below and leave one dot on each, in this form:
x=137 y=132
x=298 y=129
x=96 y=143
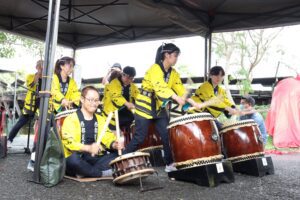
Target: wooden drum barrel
x=194 y=140
x=242 y=140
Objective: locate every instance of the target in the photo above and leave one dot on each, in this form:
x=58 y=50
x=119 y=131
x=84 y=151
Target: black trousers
x=85 y=165
x=21 y=122
x=141 y=125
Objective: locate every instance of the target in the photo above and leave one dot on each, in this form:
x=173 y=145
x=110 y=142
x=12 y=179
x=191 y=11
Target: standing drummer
x=80 y=130
x=120 y=94
x=161 y=84
x=212 y=89
x=31 y=103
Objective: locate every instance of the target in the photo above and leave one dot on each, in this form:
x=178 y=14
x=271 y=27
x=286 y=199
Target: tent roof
x=87 y=23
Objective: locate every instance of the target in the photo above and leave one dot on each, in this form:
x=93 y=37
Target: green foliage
x=244 y=82
x=9 y=43
x=6 y=48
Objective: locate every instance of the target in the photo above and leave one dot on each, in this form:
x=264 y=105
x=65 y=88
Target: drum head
x=64 y=113
x=132 y=176
x=237 y=124
x=190 y=118
x=129 y=155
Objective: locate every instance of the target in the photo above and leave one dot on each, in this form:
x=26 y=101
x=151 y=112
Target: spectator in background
x=114 y=72
x=248 y=112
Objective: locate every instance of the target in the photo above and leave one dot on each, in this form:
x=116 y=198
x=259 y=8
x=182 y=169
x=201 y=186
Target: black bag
x=53 y=163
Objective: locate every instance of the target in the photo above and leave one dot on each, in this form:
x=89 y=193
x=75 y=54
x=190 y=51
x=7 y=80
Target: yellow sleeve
x=160 y=87
x=177 y=85
x=55 y=90
x=75 y=93
x=109 y=137
x=29 y=81
x=71 y=133
x=114 y=90
x=226 y=101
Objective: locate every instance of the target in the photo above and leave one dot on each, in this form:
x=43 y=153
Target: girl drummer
x=212 y=89
x=161 y=84
x=64 y=88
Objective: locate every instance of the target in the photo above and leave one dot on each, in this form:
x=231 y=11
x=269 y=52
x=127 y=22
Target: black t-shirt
x=90 y=135
x=125 y=116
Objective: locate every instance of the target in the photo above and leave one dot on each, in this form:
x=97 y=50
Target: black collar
x=166 y=73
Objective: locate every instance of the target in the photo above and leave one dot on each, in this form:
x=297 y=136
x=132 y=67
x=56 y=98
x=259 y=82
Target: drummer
x=120 y=94
x=84 y=157
x=65 y=93
x=161 y=84
x=64 y=88
x=31 y=103
x=212 y=89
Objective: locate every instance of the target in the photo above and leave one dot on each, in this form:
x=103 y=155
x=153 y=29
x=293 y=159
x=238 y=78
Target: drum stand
x=255 y=167
x=209 y=175
x=142 y=189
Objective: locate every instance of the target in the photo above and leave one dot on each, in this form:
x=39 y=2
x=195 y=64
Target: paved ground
x=284 y=184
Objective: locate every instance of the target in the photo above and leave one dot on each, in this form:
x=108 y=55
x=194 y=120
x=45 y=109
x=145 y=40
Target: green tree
x=245 y=49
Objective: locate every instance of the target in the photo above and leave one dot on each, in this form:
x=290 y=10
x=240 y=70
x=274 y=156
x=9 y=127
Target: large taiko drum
x=194 y=140
x=242 y=140
x=152 y=140
x=131 y=166
x=60 y=118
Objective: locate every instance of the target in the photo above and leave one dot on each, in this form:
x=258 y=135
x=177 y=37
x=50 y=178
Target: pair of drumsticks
x=110 y=115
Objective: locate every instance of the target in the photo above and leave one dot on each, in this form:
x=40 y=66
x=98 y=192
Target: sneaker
x=107 y=173
x=171 y=167
x=9 y=144
x=30 y=165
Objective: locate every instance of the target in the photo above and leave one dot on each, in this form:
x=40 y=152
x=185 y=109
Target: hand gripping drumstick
x=104 y=129
x=118 y=129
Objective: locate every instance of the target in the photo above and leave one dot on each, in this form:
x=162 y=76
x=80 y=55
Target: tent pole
x=205 y=59
x=50 y=46
x=209 y=52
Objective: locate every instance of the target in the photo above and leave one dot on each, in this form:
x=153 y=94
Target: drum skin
x=152 y=139
x=194 y=140
x=242 y=141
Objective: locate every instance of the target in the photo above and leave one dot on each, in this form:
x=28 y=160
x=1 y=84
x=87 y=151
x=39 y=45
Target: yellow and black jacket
x=71 y=92
x=31 y=101
x=113 y=97
x=205 y=92
x=72 y=134
x=158 y=86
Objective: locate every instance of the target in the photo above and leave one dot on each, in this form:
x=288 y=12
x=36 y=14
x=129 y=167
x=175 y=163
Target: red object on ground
x=283 y=118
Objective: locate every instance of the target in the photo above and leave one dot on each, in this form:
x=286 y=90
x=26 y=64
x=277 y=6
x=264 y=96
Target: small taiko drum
x=152 y=140
x=242 y=140
x=60 y=118
x=131 y=166
x=194 y=140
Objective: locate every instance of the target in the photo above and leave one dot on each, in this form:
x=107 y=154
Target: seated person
x=64 y=88
x=80 y=130
x=120 y=94
x=248 y=112
x=114 y=72
x=211 y=89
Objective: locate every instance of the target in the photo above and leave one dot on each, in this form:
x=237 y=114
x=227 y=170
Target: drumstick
x=104 y=128
x=118 y=129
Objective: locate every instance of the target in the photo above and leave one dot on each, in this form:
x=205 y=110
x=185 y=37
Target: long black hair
x=165 y=48
x=62 y=61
